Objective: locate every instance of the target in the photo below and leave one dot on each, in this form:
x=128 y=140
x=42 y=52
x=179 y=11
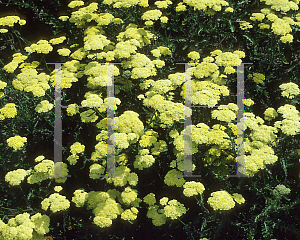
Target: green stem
x=181 y=222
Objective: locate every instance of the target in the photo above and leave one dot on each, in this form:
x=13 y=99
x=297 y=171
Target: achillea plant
x=133 y=172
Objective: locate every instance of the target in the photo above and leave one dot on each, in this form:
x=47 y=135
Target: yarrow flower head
x=238 y=198
x=8 y=111
x=281 y=190
x=150 y=199
x=289 y=90
x=193 y=188
x=16 y=177
x=174 y=209
x=56 y=202
x=16 y=142
x=270 y=113
x=221 y=200
x=44 y=106
x=76 y=148
x=257 y=77
x=80 y=197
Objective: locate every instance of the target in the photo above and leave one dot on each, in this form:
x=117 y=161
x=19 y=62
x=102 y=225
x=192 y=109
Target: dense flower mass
x=289 y=90
x=221 y=200
x=56 y=202
x=16 y=142
x=8 y=111
x=148 y=140
x=193 y=188
x=16 y=177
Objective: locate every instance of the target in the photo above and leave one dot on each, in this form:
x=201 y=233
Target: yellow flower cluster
x=128 y=177
x=142 y=66
x=55 y=41
x=143 y=160
x=257 y=17
x=222 y=200
x=95 y=41
x=171 y=209
x=56 y=202
x=130 y=214
x=98 y=75
x=150 y=199
x=41 y=46
x=289 y=90
x=83 y=15
x=245 y=25
x=174 y=209
x=45 y=168
x=104 y=207
x=169 y=111
x=248 y=102
x=74 y=4
x=257 y=77
x=163 y=4
x=17 y=59
x=133 y=32
x=157 y=215
x=270 y=113
x=72 y=109
x=30 y=81
x=224 y=114
x=10 y=22
x=64 y=52
x=172 y=180
x=75 y=149
x=194 y=55
x=16 y=142
x=282 y=5
x=127 y=3
x=180 y=7
x=281 y=190
x=25 y=227
x=205 y=93
x=16 y=177
x=2 y=86
x=193 y=188
x=290 y=125
x=161 y=50
x=152 y=15
x=128 y=195
x=80 y=197
x=58 y=188
x=96 y=170
x=209 y=7
x=8 y=111
x=126 y=48
x=280 y=26
x=44 y=106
